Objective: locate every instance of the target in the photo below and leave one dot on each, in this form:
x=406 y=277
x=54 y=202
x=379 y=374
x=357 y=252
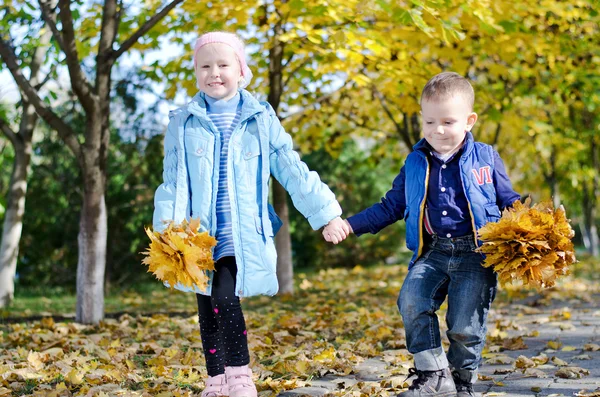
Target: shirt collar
x=221 y=106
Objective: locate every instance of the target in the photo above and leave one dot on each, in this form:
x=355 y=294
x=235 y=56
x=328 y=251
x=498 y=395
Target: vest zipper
x=462 y=182
x=422 y=212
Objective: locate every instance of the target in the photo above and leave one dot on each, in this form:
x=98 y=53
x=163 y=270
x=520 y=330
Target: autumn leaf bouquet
x=180 y=254
x=531 y=244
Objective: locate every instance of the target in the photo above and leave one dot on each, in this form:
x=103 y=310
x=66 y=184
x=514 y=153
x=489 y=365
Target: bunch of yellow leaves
x=530 y=244
x=180 y=254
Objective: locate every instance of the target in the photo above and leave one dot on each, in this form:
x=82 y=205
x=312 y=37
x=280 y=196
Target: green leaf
x=385 y=6
x=509 y=26
x=417 y=18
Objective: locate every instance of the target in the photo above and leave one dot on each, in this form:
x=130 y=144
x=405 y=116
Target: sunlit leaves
x=529 y=244
x=181 y=255
x=340 y=319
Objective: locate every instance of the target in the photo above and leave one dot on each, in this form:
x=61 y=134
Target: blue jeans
x=448 y=267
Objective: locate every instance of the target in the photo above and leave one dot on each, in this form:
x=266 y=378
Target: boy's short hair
x=447 y=84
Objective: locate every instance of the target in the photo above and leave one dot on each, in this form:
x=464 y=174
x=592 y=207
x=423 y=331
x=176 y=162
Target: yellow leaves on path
x=585 y=393
x=572 y=372
x=555 y=345
x=591 y=347
x=529 y=244
x=181 y=255
x=524 y=362
x=342 y=320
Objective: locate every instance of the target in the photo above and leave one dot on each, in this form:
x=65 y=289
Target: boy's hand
x=336 y=230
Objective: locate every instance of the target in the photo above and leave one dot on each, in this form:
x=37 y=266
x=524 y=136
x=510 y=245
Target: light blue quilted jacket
x=190 y=177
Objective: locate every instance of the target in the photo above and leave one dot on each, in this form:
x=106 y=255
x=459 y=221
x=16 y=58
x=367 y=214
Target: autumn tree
x=104 y=46
x=535 y=87
x=32 y=57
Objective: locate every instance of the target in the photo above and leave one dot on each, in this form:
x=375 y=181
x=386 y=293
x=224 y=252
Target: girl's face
x=218 y=71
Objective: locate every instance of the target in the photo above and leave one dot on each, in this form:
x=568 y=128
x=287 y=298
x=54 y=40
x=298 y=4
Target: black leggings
x=222 y=325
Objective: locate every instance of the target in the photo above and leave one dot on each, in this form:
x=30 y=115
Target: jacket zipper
x=213 y=206
x=233 y=188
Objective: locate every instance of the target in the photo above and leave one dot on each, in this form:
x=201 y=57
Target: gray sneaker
x=430 y=383
x=464 y=389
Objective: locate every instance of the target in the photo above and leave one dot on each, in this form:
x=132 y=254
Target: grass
x=149 y=297
x=153 y=297
x=144 y=298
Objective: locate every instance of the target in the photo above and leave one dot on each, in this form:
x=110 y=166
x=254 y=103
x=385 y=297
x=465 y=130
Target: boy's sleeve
x=505 y=195
x=310 y=196
x=164 y=197
x=389 y=210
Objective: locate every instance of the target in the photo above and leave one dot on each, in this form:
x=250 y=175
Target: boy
x=448 y=188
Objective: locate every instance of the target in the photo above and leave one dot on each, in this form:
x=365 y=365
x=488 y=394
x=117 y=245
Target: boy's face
x=446 y=122
x=218 y=71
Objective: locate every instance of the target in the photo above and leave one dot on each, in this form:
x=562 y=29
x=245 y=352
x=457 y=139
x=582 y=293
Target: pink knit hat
x=231 y=40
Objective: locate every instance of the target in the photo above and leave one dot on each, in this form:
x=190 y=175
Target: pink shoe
x=216 y=386
x=240 y=382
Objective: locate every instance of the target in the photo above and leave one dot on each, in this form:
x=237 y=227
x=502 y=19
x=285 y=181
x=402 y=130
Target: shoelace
x=464 y=387
x=420 y=381
x=460 y=385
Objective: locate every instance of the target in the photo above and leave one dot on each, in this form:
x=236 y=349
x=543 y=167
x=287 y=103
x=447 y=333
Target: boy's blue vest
x=476 y=181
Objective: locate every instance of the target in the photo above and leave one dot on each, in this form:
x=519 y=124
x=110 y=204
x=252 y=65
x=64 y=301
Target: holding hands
x=337 y=230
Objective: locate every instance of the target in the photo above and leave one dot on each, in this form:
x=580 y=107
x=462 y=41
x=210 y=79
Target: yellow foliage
x=180 y=254
x=339 y=328
x=530 y=244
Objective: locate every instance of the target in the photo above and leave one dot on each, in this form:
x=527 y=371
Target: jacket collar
x=423 y=147
x=250 y=106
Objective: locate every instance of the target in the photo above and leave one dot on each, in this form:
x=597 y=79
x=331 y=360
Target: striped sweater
x=225 y=115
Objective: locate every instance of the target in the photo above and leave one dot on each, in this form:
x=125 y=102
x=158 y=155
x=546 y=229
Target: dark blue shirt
x=447 y=206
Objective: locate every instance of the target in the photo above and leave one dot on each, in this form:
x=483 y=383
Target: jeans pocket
x=424 y=256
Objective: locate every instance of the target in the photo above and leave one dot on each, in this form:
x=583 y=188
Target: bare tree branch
x=46 y=79
x=66 y=41
x=108 y=32
x=497 y=135
x=9 y=133
x=366 y=127
x=316 y=101
x=295 y=70
x=62 y=128
x=402 y=130
x=143 y=29
x=287 y=62
x=37 y=59
x=49 y=16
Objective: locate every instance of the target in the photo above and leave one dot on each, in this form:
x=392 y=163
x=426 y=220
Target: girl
x=220 y=151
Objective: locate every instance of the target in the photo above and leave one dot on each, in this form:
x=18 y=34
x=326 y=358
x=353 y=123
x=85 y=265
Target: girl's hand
x=336 y=230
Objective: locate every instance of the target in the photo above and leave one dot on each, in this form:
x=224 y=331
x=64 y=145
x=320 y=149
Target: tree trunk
x=589 y=229
x=13 y=219
x=283 y=241
x=590 y=194
x=551 y=178
x=92 y=242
